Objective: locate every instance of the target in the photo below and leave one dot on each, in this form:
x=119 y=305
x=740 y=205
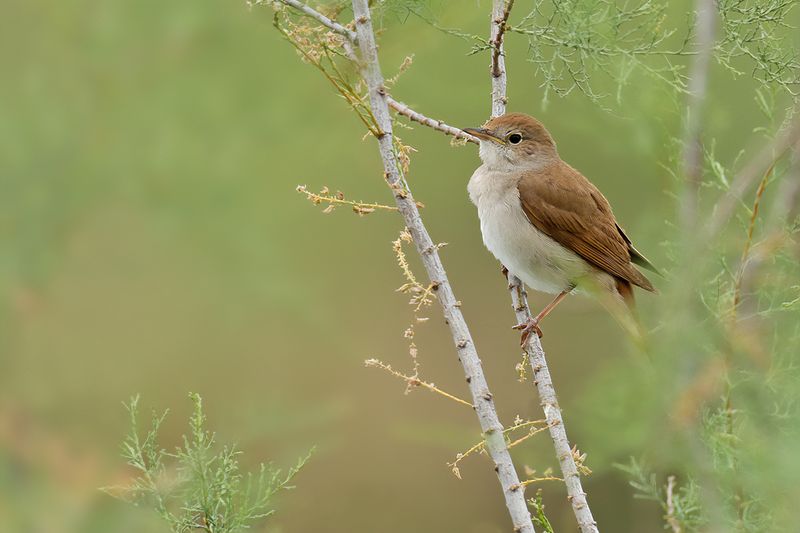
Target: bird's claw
x=526 y=327
x=504 y=271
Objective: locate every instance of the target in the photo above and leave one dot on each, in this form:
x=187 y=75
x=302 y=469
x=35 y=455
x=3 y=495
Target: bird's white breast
x=538 y=260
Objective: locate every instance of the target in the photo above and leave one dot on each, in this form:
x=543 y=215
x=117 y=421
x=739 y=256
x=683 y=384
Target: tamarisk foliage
x=199 y=486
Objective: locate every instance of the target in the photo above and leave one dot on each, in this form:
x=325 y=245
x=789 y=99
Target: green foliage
x=539 y=518
x=681 y=506
x=571 y=42
x=199 y=486
x=575 y=44
x=759 y=31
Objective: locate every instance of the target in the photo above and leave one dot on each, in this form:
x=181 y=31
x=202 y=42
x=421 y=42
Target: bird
x=548 y=224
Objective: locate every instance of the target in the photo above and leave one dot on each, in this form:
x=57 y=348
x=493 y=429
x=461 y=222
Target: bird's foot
x=504 y=270
x=532 y=324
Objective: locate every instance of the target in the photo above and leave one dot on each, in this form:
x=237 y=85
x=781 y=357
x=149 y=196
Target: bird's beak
x=483 y=134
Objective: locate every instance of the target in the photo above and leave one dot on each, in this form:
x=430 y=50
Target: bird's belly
x=539 y=261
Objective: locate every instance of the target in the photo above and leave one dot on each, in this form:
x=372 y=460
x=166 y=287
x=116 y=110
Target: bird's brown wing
x=564 y=205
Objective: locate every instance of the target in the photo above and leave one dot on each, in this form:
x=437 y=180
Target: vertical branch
x=500 y=11
x=692 y=156
x=519 y=301
x=482 y=398
x=552 y=413
x=672 y=521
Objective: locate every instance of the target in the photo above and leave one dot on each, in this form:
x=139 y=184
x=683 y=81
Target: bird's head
x=513 y=141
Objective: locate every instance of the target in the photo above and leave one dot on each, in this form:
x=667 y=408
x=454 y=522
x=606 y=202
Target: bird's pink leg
x=532 y=324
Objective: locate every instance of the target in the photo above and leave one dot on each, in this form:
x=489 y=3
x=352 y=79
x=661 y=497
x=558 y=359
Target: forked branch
x=495 y=443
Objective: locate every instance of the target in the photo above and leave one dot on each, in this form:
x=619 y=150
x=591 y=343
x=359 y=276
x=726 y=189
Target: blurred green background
x=151 y=241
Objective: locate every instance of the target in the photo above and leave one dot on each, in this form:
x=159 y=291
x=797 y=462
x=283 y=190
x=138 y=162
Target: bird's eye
x=515 y=138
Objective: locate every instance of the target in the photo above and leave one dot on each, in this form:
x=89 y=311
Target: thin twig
x=538 y=479
x=533 y=348
x=480 y=446
x=737 y=292
x=482 y=398
x=415 y=116
x=414 y=381
x=324 y=196
x=672 y=521
x=322 y=19
x=529 y=434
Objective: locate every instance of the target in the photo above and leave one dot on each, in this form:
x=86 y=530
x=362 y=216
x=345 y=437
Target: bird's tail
x=626 y=314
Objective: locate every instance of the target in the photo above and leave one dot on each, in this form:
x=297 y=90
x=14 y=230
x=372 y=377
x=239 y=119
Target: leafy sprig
x=199 y=486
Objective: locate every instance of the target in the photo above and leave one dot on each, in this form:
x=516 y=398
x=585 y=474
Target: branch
x=324 y=196
x=482 y=398
x=414 y=381
x=500 y=13
x=692 y=157
x=671 y=520
x=552 y=413
x=533 y=348
x=438 y=125
x=498 y=69
x=322 y=19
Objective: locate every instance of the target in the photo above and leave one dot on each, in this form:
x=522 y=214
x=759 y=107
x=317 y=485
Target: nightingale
x=548 y=224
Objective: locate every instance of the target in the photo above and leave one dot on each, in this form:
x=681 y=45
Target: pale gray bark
x=552 y=412
x=438 y=125
x=533 y=348
x=482 y=398
x=497 y=69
